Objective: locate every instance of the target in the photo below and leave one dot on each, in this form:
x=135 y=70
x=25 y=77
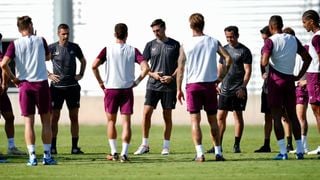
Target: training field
x=178 y=165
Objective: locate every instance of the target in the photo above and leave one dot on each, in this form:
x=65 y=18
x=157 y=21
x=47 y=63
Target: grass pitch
x=177 y=165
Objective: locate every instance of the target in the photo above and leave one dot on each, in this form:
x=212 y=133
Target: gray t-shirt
x=64 y=62
x=163 y=57
x=234 y=79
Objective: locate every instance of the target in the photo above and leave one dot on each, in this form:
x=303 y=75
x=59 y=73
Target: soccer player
x=64 y=84
x=198 y=58
x=265 y=34
x=30 y=53
x=162 y=54
x=310 y=20
x=281 y=48
x=7 y=113
x=233 y=91
x=119 y=59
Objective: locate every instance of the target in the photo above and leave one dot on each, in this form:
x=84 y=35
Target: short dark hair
x=311 y=14
x=276 y=21
x=63 y=26
x=265 y=30
x=121 y=31
x=289 y=30
x=23 y=22
x=233 y=29
x=158 y=22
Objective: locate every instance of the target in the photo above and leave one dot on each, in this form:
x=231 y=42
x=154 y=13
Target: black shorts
x=168 y=99
x=71 y=94
x=231 y=103
x=264 y=103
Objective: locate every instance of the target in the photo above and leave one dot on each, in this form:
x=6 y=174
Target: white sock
x=47 y=148
x=166 y=144
x=32 y=151
x=11 y=143
x=282 y=146
x=299 y=146
x=113 y=146
x=199 y=150
x=145 y=141
x=125 y=147
x=304 y=140
x=217 y=150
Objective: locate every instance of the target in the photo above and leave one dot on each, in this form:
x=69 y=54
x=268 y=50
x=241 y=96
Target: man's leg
x=215 y=135
x=73 y=115
x=30 y=139
x=54 y=128
x=112 y=136
x=167 y=116
x=238 y=130
x=146 y=125
x=126 y=136
x=222 y=117
x=197 y=136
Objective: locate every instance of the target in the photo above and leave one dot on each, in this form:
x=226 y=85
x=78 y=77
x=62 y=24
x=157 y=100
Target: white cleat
x=316 y=151
x=142 y=150
x=15 y=151
x=165 y=151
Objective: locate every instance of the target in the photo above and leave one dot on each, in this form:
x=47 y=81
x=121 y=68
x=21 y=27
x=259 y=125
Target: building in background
x=93 y=22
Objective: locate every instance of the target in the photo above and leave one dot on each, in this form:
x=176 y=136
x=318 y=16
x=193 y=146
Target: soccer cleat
x=165 y=151
x=15 y=151
x=199 y=159
x=142 y=150
x=293 y=151
x=2 y=159
x=49 y=161
x=76 y=150
x=219 y=157
x=124 y=158
x=32 y=162
x=54 y=151
x=236 y=148
x=281 y=157
x=299 y=156
x=114 y=157
x=316 y=151
x=211 y=150
x=263 y=149
x=289 y=147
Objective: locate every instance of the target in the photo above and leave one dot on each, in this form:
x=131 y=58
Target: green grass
x=178 y=165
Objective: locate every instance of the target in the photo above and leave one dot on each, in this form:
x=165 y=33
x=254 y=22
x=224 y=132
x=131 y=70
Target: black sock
x=54 y=142
x=266 y=142
x=237 y=141
x=75 y=142
x=289 y=140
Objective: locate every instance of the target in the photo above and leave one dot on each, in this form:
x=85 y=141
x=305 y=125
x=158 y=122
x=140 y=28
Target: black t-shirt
x=64 y=62
x=234 y=79
x=163 y=57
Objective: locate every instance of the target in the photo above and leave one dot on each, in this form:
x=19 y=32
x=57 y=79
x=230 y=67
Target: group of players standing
x=215 y=87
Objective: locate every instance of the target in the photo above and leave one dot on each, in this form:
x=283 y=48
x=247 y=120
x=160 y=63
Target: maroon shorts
x=32 y=95
x=5 y=103
x=313 y=87
x=202 y=95
x=281 y=90
x=302 y=95
x=118 y=98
